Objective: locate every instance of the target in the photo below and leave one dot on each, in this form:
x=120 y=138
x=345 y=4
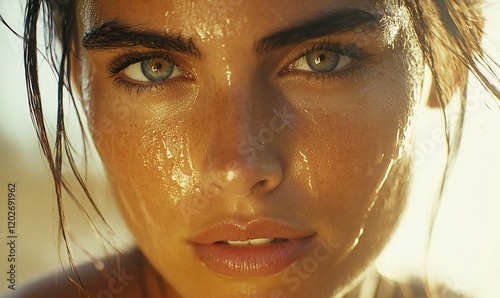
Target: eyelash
x=131 y=57
x=351 y=51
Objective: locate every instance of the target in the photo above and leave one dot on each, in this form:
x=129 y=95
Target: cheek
x=355 y=153
x=350 y=163
x=148 y=159
x=348 y=144
x=349 y=141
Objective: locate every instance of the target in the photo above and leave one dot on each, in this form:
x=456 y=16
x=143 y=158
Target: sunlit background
x=465 y=249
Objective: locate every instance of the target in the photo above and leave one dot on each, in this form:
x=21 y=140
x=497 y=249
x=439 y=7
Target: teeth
x=261 y=241
x=239 y=243
x=258 y=241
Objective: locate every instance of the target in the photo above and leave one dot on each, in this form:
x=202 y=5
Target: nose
x=243 y=156
x=232 y=174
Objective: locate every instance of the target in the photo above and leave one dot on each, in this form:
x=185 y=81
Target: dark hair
x=60 y=19
x=449 y=36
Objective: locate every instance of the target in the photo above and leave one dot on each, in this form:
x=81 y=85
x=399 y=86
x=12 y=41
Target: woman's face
x=257 y=148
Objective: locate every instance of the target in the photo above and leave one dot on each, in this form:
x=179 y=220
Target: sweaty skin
x=241 y=136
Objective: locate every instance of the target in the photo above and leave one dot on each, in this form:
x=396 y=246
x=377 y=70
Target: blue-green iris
x=157 y=69
x=323 y=61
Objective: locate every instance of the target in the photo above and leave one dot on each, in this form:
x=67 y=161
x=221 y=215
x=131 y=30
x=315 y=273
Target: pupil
x=320 y=58
x=323 y=61
x=157 y=69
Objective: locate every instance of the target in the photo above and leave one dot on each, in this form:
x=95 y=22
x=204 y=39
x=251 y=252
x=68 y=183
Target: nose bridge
x=241 y=112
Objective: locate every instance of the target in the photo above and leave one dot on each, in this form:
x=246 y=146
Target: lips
x=256 y=248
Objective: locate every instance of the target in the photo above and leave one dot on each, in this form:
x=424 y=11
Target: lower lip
x=252 y=261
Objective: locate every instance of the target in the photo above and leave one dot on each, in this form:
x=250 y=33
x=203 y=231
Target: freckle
x=369 y=171
x=356 y=170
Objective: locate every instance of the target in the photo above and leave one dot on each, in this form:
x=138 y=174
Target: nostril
x=260 y=185
x=212 y=188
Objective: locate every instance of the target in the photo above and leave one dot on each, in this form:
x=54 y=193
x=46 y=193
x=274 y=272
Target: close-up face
x=256 y=148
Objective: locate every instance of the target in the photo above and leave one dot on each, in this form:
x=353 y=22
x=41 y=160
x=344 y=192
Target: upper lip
x=243 y=231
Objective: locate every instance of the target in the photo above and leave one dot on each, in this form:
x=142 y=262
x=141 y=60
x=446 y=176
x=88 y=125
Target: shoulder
x=114 y=281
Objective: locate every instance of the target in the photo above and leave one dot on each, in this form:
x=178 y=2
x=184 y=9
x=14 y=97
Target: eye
x=321 y=61
x=153 y=70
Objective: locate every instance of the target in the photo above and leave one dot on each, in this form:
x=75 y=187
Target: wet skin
x=239 y=131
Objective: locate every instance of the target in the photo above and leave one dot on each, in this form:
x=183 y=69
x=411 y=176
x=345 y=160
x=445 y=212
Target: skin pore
x=221 y=112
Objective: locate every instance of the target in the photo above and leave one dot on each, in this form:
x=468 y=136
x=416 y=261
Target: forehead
x=212 y=20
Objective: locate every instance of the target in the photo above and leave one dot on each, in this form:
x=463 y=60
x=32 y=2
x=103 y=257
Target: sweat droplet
x=168 y=152
x=185 y=159
x=167 y=29
x=228 y=76
x=312 y=187
x=356 y=241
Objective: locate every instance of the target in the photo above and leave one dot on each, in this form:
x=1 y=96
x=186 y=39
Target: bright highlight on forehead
x=210 y=19
x=217 y=21
x=395 y=21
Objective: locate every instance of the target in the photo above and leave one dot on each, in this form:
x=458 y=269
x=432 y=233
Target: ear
x=429 y=91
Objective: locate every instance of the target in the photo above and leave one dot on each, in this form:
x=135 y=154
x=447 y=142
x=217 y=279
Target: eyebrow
x=338 y=21
x=115 y=34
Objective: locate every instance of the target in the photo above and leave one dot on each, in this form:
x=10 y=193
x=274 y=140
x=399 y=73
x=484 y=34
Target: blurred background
x=465 y=247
